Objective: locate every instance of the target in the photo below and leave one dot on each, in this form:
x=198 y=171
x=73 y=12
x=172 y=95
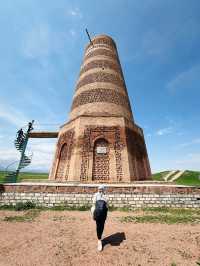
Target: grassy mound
x=190 y=178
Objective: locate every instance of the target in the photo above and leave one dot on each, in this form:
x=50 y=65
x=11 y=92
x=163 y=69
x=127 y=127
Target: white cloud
x=164 y=131
x=72 y=32
x=75 y=13
x=12 y=115
x=43 y=154
x=185 y=80
x=43 y=151
x=190 y=161
x=192 y=142
x=37 y=42
x=8 y=157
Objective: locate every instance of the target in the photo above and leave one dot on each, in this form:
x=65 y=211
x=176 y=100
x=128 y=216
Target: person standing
x=100 y=202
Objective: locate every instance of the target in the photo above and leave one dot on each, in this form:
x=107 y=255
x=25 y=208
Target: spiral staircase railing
x=20 y=143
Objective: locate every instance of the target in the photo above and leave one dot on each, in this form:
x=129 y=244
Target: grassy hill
x=27 y=176
x=190 y=178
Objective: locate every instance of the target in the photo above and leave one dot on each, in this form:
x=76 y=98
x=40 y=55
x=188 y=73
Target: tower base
x=100 y=149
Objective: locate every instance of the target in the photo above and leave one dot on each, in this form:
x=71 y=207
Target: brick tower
x=101 y=142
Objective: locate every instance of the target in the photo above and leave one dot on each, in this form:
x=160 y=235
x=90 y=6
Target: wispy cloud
x=185 y=80
x=75 y=13
x=191 y=161
x=42 y=150
x=189 y=143
x=12 y=115
x=8 y=157
x=164 y=131
x=37 y=42
x=43 y=153
x=72 y=32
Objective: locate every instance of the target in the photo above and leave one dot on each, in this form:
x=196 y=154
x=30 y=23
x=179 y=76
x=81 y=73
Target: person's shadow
x=114 y=239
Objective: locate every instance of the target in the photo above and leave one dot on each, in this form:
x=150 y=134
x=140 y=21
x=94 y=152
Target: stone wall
x=135 y=196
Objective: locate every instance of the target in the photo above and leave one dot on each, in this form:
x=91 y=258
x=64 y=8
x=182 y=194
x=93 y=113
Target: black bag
x=100 y=212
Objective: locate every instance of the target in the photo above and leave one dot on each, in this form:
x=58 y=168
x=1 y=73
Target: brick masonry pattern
x=100 y=77
x=136 y=197
x=103 y=52
x=103 y=40
x=110 y=134
x=101 y=162
x=65 y=147
x=103 y=64
x=137 y=149
x=100 y=95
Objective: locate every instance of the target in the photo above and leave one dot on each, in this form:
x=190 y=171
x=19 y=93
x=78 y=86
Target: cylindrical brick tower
x=101 y=142
x=101 y=89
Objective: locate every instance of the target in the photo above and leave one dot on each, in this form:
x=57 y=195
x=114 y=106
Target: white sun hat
x=101 y=187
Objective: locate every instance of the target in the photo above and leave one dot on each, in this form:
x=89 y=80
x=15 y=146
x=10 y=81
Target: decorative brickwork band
x=101 y=95
x=112 y=136
x=103 y=64
x=101 y=77
x=101 y=161
x=104 y=40
x=103 y=52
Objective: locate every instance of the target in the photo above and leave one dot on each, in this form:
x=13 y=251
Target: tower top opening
x=101 y=39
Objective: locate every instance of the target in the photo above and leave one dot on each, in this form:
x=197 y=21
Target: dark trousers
x=100 y=226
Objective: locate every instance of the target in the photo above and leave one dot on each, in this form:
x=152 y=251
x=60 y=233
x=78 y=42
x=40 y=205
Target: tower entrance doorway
x=101 y=163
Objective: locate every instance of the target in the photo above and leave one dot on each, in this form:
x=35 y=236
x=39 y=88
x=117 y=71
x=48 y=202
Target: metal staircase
x=20 y=142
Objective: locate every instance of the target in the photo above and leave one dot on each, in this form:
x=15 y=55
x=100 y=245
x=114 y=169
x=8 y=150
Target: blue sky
x=41 y=49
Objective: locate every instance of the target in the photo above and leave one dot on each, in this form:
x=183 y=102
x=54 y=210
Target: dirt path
x=62 y=238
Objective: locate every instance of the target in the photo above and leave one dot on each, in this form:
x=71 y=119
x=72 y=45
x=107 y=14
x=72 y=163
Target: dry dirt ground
x=62 y=238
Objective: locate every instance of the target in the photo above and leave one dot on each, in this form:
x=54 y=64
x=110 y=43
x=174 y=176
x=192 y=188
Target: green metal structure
x=20 y=142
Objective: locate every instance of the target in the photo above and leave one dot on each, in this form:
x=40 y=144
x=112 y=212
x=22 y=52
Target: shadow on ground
x=114 y=239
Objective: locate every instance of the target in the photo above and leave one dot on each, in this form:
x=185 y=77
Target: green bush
x=20 y=206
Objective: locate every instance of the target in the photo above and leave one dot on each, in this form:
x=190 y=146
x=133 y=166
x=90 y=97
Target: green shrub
x=7 y=207
x=20 y=206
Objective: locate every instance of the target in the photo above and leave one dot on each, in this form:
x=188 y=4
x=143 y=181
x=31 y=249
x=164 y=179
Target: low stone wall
x=130 y=195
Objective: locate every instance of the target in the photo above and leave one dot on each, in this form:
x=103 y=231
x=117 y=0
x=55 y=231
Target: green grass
x=159 y=176
x=145 y=215
x=190 y=178
x=26 y=176
x=176 y=211
x=70 y=208
x=22 y=206
x=167 y=219
x=28 y=216
x=2 y=175
x=164 y=215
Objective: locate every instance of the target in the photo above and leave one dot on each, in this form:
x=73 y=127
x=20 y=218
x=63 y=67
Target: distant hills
x=190 y=178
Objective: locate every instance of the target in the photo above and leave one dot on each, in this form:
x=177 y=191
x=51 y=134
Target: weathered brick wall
x=103 y=64
x=100 y=76
x=101 y=162
x=61 y=165
x=112 y=135
x=132 y=196
x=101 y=95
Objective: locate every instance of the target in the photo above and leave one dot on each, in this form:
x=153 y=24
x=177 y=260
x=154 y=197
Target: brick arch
x=101 y=160
x=60 y=172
